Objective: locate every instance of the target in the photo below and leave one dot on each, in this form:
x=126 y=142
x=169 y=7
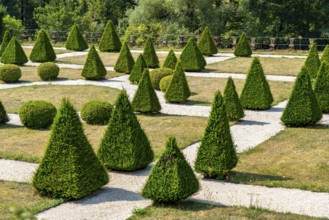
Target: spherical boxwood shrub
x=96 y=112
x=157 y=74
x=10 y=73
x=48 y=71
x=37 y=114
x=164 y=83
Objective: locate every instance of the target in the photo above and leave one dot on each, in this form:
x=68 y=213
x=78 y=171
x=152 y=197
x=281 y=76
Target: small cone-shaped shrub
x=124 y=145
x=5 y=41
x=321 y=88
x=137 y=71
x=256 y=93
x=145 y=99
x=178 y=90
x=94 y=68
x=206 y=43
x=42 y=50
x=69 y=168
x=324 y=57
x=191 y=57
x=312 y=63
x=125 y=62
x=302 y=108
x=150 y=55
x=243 y=48
x=232 y=102
x=3 y=115
x=171 y=60
x=14 y=53
x=110 y=41
x=216 y=155
x=171 y=179
x=75 y=40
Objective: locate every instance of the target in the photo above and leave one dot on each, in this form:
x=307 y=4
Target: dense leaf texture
x=75 y=40
x=43 y=50
x=171 y=60
x=125 y=62
x=325 y=54
x=232 y=102
x=312 y=63
x=158 y=74
x=206 y=43
x=243 y=48
x=94 y=68
x=321 y=87
x=5 y=41
x=10 y=73
x=191 y=57
x=96 y=112
x=137 y=71
x=3 y=115
x=110 y=41
x=14 y=53
x=150 y=55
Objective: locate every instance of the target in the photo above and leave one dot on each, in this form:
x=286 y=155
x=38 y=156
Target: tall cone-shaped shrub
x=216 y=155
x=178 y=89
x=321 y=87
x=171 y=60
x=14 y=53
x=3 y=115
x=312 y=63
x=137 y=71
x=171 y=179
x=42 y=50
x=256 y=93
x=150 y=55
x=124 y=145
x=75 y=40
x=110 y=41
x=324 y=57
x=94 y=68
x=243 y=48
x=145 y=99
x=125 y=62
x=302 y=108
x=232 y=102
x=206 y=43
x=191 y=57
x=69 y=168
x=5 y=41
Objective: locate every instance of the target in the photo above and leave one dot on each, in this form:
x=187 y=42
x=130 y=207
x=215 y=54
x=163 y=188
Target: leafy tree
x=110 y=41
x=14 y=53
x=125 y=62
x=321 y=87
x=94 y=68
x=171 y=60
x=75 y=40
x=150 y=55
x=243 y=48
x=43 y=50
x=137 y=71
x=3 y=115
x=206 y=43
x=232 y=102
x=191 y=57
x=312 y=62
x=5 y=41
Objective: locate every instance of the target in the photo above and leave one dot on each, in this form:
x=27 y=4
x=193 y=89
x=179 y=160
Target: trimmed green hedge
x=5 y=41
x=150 y=55
x=14 y=53
x=137 y=71
x=75 y=40
x=96 y=112
x=48 y=71
x=10 y=73
x=125 y=62
x=206 y=43
x=94 y=68
x=164 y=83
x=171 y=60
x=3 y=115
x=321 y=87
x=43 y=50
x=312 y=63
x=232 y=102
x=157 y=74
x=110 y=41
x=243 y=48
x=192 y=58
x=324 y=57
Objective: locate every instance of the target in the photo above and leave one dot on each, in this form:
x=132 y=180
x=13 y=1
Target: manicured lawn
x=29 y=50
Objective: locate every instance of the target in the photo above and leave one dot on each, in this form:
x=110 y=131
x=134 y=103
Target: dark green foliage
x=171 y=60
x=321 y=88
x=137 y=71
x=232 y=102
x=302 y=108
x=42 y=50
x=178 y=90
x=171 y=179
x=10 y=73
x=216 y=155
x=75 y=40
x=164 y=83
x=37 y=114
x=150 y=55
x=243 y=48
x=157 y=74
x=48 y=71
x=3 y=115
x=5 y=41
x=125 y=62
x=69 y=168
x=206 y=43
x=145 y=99
x=124 y=145
x=94 y=68
x=96 y=112
x=14 y=53
x=312 y=62
x=110 y=41
x=324 y=57
x=256 y=93
x=191 y=57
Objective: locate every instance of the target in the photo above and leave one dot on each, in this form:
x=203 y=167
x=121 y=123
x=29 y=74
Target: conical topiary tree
x=150 y=55
x=125 y=62
x=321 y=87
x=216 y=155
x=256 y=93
x=14 y=53
x=137 y=71
x=243 y=48
x=324 y=57
x=302 y=108
x=3 y=115
x=42 y=50
x=69 y=168
x=171 y=179
x=171 y=60
x=206 y=43
x=110 y=41
x=232 y=102
x=312 y=62
x=191 y=57
x=5 y=41
x=178 y=89
x=145 y=99
x=94 y=68
x=75 y=40
x=124 y=145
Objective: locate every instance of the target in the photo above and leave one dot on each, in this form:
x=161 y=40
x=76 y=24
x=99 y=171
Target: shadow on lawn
x=245 y=177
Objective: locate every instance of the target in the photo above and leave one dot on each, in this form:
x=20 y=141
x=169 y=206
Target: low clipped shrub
x=42 y=50
x=110 y=41
x=96 y=112
x=125 y=62
x=191 y=57
x=321 y=87
x=5 y=41
x=164 y=83
x=150 y=56
x=232 y=102
x=3 y=115
x=324 y=57
x=157 y=74
x=37 y=114
x=137 y=71
x=243 y=48
x=94 y=68
x=206 y=44
x=14 y=53
x=10 y=73
x=312 y=63
x=171 y=60
x=75 y=40
x=48 y=71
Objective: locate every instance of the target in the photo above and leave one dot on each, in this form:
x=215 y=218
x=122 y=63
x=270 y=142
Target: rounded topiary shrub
x=37 y=114
x=10 y=73
x=164 y=83
x=48 y=71
x=96 y=112
x=157 y=74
